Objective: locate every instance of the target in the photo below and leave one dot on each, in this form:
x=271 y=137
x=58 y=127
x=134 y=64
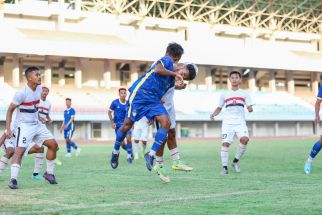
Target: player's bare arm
x=10 y=111
x=317 y=110
x=215 y=113
x=62 y=127
x=109 y=113
x=159 y=69
x=2 y=139
x=50 y=121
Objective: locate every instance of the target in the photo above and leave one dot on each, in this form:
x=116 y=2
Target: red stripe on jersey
x=30 y=103
x=43 y=108
x=236 y=98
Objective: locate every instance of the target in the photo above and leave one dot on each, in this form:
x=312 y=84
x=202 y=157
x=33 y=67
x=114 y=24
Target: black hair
x=235 y=72
x=175 y=50
x=122 y=88
x=192 y=71
x=45 y=88
x=30 y=70
x=68 y=99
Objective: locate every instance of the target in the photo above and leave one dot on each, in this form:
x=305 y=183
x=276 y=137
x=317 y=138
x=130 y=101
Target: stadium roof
x=281 y=15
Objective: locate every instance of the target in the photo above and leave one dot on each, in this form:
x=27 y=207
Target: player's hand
x=8 y=133
x=212 y=116
x=113 y=125
x=317 y=119
x=150 y=122
x=42 y=120
x=178 y=77
x=162 y=101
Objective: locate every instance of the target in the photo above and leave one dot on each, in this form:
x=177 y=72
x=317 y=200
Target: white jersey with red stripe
x=27 y=102
x=234 y=102
x=44 y=108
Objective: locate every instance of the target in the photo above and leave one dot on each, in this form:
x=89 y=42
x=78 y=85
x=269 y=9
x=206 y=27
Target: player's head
x=68 y=102
x=33 y=75
x=122 y=93
x=235 y=78
x=45 y=92
x=188 y=71
x=175 y=51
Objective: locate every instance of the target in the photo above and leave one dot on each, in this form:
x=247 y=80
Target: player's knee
x=225 y=145
x=244 y=140
x=67 y=141
x=9 y=152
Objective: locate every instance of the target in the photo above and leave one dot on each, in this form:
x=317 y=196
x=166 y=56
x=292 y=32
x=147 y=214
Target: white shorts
x=29 y=134
x=140 y=134
x=172 y=117
x=228 y=132
x=9 y=143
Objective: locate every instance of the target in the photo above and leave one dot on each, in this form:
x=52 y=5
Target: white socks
x=310 y=159
x=224 y=155
x=3 y=163
x=50 y=166
x=240 y=151
x=39 y=160
x=175 y=154
x=15 y=171
x=159 y=161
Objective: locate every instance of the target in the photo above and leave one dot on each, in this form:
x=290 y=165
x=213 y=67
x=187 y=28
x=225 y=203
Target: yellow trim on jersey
x=136 y=89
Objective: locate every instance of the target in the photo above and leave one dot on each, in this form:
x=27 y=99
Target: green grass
x=271 y=182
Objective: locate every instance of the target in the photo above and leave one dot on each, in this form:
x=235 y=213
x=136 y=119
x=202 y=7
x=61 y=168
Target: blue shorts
x=68 y=134
x=138 y=110
x=119 y=126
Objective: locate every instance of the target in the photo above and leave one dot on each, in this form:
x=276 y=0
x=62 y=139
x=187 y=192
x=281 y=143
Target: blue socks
x=160 y=137
x=68 y=147
x=120 y=136
x=315 y=150
x=129 y=148
x=72 y=144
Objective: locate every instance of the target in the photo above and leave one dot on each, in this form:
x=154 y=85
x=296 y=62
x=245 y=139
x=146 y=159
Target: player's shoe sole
x=162 y=174
x=307 y=168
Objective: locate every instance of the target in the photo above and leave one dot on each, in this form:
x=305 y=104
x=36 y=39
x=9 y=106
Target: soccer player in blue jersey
x=68 y=127
x=318 y=145
x=118 y=108
x=144 y=100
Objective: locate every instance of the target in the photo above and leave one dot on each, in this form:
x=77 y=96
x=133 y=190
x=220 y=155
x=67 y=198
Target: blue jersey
x=151 y=86
x=68 y=113
x=319 y=96
x=119 y=110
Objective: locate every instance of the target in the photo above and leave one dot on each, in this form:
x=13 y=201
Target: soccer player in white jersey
x=189 y=72
x=140 y=133
x=234 y=122
x=28 y=128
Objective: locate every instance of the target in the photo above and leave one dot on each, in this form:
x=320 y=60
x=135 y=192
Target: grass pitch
x=271 y=182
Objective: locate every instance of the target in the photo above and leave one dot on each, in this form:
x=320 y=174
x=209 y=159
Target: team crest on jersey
x=134 y=112
x=234 y=101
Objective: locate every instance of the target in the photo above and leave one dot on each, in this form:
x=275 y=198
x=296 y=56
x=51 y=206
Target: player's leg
x=52 y=148
x=9 y=149
x=177 y=164
x=73 y=144
x=159 y=168
x=159 y=139
x=227 y=138
x=39 y=161
x=129 y=157
x=242 y=134
x=68 y=145
x=120 y=136
x=314 y=151
x=136 y=137
x=15 y=166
